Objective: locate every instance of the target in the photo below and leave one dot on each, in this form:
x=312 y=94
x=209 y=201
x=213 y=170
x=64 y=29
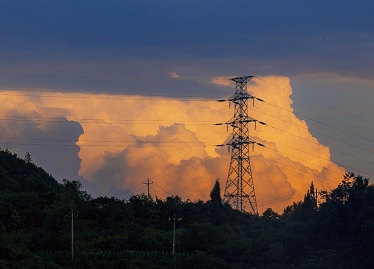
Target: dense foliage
x=337 y=231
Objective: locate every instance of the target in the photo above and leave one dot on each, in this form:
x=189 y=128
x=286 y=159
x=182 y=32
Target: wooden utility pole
x=72 y=235
x=148 y=183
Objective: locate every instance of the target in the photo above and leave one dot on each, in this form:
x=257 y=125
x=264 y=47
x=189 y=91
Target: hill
x=36 y=216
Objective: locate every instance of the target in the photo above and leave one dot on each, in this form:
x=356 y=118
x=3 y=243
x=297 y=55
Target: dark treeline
x=35 y=227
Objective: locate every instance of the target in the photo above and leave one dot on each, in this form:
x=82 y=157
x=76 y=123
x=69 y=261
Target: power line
x=290 y=196
x=92 y=75
x=315 y=131
x=357 y=127
x=153 y=142
x=320 y=144
x=106 y=141
x=277 y=200
x=94 y=121
x=102 y=121
x=110 y=96
x=156 y=192
x=324 y=124
x=302 y=170
x=261 y=136
x=106 y=145
x=139 y=187
x=342 y=111
x=315 y=142
x=304 y=161
x=129 y=190
x=318 y=102
x=166 y=76
x=152 y=122
x=299 y=126
x=161 y=75
x=163 y=189
x=115 y=97
x=133 y=191
x=158 y=143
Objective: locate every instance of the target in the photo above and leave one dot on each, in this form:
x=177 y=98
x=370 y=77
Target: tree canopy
x=327 y=229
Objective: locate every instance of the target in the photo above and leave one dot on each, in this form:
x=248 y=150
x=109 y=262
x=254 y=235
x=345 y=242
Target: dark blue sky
x=277 y=37
x=131 y=47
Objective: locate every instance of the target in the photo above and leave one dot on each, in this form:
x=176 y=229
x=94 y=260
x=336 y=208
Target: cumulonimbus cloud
x=128 y=139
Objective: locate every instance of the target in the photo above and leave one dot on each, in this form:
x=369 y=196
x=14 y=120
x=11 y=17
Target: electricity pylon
x=240 y=190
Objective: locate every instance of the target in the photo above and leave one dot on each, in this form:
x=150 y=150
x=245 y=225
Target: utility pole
x=173 y=236
x=174 y=233
x=72 y=235
x=148 y=183
x=240 y=189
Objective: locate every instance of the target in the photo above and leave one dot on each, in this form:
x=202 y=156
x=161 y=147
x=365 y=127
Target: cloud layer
x=45 y=132
x=118 y=142
x=85 y=42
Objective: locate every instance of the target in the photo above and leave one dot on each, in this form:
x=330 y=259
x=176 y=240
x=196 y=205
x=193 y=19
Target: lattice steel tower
x=240 y=190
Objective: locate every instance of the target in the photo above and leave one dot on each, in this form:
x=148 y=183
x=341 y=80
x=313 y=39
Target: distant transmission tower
x=240 y=190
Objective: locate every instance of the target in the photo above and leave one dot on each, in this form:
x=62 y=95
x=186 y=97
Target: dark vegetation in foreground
x=35 y=227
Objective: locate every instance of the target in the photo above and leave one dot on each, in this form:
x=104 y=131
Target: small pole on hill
x=72 y=235
x=174 y=233
x=148 y=183
x=174 y=237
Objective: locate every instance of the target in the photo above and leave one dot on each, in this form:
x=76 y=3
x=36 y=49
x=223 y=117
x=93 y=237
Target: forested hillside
x=35 y=227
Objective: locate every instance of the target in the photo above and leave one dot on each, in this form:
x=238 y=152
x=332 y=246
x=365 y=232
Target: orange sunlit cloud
x=127 y=139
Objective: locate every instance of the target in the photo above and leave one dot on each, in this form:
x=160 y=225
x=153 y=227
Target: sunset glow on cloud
x=117 y=141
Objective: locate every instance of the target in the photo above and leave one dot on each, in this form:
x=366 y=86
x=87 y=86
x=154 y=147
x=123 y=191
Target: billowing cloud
x=44 y=132
x=223 y=81
x=174 y=158
x=128 y=139
x=174 y=75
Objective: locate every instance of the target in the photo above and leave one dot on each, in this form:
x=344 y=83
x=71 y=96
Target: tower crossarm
x=241 y=80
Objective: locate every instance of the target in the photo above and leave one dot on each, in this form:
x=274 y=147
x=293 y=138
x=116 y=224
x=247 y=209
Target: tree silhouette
x=216 y=203
x=27 y=157
x=215 y=195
